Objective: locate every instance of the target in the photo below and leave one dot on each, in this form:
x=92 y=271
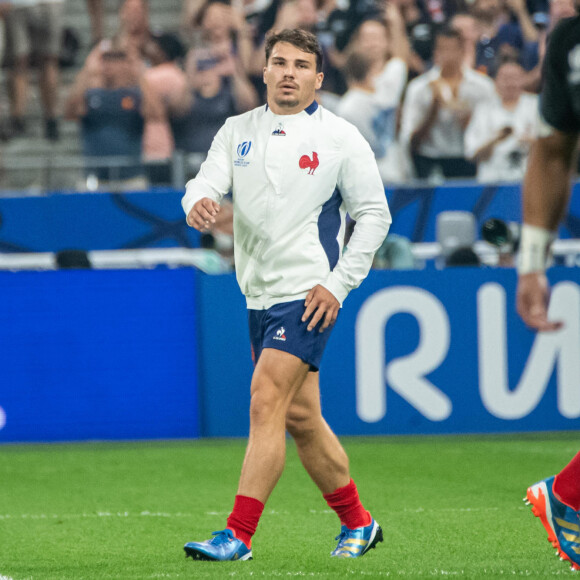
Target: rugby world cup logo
x=243 y=149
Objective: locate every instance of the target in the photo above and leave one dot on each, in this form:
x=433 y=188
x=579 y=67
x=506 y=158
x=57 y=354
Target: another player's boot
x=357 y=542
x=560 y=521
x=223 y=547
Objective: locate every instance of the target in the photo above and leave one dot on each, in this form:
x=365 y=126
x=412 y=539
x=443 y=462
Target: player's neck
x=282 y=110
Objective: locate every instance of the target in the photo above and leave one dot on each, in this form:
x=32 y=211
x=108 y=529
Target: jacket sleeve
x=214 y=179
x=362 y=190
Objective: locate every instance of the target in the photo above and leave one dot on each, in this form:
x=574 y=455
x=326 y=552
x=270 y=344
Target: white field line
x=409 y=574
x=151 y=514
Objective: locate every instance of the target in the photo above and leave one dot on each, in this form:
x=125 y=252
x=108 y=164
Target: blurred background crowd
x=441 y=89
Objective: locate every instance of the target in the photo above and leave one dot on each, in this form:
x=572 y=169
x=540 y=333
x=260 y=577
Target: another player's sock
x=244 y=518
x=346 y=503
x=567 y=484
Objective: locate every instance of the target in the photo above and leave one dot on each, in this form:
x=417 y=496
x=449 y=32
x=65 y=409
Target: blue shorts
x=281 y=327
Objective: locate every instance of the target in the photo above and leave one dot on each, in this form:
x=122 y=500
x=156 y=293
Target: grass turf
x=449 y=506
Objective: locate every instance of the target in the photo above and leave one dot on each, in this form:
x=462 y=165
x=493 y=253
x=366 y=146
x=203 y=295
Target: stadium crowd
x=439 y=88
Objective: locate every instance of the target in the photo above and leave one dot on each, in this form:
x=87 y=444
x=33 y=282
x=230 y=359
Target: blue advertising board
x=415 y=352
x=154 y=219
x=98 y=355
x=415 y=210
x=165 y=354
x=94 y=221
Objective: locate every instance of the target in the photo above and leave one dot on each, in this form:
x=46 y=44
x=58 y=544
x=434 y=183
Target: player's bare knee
x=300 y=422
x=265 y=406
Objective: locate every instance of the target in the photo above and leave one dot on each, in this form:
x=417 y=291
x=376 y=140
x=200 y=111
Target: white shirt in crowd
x=445 y=140
x=293 y=177
x=375 y=116
x=509 y=157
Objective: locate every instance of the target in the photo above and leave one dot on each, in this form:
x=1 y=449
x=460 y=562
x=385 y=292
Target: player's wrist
x=535 y=244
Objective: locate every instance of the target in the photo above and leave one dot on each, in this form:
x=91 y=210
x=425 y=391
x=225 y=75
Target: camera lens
x=496 y=232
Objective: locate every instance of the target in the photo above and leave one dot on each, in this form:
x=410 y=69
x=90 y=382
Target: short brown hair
x=302 y=39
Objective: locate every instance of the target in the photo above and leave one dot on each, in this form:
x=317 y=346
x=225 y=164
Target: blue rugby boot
x=560 y=521
x=357 y=542
x=223 y=547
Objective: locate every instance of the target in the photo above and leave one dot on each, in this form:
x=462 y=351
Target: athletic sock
x=346 y=503
x=244 y=518
x=567 y=484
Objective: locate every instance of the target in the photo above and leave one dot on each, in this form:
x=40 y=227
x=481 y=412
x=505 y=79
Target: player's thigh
x=304 y=413
x=306 y=401
x=280 y=373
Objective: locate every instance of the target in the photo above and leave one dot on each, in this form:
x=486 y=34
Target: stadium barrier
x=109 y=221
x=164 y=353
x=414 y=352
x=98 y=354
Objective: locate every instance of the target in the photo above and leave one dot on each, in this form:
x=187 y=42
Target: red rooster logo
x=312 y=164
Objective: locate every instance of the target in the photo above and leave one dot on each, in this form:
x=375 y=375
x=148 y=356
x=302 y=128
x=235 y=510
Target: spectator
x=97 y=16
x=113 y=102
x=134 y=31
x=385 y=43
x=560 y=9
x=441 y=11
x=421 y=34
x=4 y=126
x=219 y=32
x=384 y=40
x=533 y=56
x=168 y=82
x=501 y=131
x=300 y=14
x=501 y=36
x=468 y=27
x=219 y=90
x=438 y=107
x=373 y=110
x=33 y=29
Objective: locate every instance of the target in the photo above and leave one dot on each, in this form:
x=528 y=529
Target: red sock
x=244 y=518
x=567 y=484
x=346 y=503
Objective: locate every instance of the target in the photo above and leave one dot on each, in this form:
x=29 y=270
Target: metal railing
x=38 y=175
x=566 y=251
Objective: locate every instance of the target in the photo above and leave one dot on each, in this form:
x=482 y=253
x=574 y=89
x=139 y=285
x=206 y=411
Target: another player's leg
x=556 y=501
x=277 y=377
x=327 y=464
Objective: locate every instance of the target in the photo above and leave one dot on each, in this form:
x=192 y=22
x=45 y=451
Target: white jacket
x=293 y=177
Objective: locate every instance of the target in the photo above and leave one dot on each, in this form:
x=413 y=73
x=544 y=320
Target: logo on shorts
x=280 y=334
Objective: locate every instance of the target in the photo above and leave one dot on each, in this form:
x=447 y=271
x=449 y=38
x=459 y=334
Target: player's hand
x=320 y=303
x=202 y=214
x=533 y=295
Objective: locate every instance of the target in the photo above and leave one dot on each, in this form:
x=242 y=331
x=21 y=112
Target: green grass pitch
x=449 y=506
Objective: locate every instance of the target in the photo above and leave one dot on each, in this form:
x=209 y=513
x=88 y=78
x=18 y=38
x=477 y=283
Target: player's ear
x=319 y=79
x=264 y=75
